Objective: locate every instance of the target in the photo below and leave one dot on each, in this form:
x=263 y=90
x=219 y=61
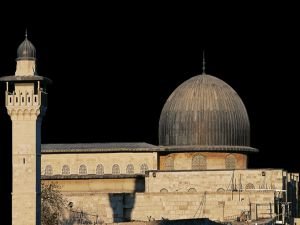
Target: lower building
x=199 y=170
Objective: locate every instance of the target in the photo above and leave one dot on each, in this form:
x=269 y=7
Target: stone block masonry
x=156 y=206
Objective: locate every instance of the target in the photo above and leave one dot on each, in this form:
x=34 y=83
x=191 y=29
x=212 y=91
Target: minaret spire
x=203 y=62
x=26 y=57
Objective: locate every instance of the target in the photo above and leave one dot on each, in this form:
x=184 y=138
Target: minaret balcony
x=26 y=100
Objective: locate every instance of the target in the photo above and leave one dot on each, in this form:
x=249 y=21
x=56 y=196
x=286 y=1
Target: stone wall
x=181 y=161
x=157 y=206
x=106 y=185
x=213 y=180
x=178 y=181
x=92 y=160
x=216 y=206
x=214 y=160
x=296 y=221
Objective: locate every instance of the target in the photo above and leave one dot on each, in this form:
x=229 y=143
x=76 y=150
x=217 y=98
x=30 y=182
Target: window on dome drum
x=144 y=168
x=169 y=163
x=163 y=190
x=192 y=190
x=230 y=162
x=116 y=169
x=199 y=162
x=65 y=170
x=82 y=170
x=48 y=170
x=249 y=186
x=130 y=169
x=100 y=169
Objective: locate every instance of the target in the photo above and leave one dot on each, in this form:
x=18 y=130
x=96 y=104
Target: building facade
x=199 y=169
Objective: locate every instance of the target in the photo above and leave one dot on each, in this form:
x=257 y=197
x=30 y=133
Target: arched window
x=48 y=170
x=221 y=190
x=192 y=190
x=116 y=169
x=65 y=170
x=230 y=162
x=169 y=163
x=144 y=168
x=163 y=190
x=199 y=162
x=130 y=169
x=82 y=170
x=249 y=186
x=100 y=169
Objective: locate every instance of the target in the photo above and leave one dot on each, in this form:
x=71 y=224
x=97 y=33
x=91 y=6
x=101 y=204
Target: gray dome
x=204 y=111
x=26 y=50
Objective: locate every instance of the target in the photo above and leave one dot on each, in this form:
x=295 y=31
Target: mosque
x=198 y=170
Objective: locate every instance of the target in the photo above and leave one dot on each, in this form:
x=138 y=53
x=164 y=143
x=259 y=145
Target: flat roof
x=137 y=147
x=99 y=147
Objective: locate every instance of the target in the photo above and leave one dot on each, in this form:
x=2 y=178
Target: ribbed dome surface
x=26 y=50
x=204 y=111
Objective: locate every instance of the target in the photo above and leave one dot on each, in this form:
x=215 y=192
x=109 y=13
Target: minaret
x=26 y=103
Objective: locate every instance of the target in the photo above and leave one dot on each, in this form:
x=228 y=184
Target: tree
x=52 y=203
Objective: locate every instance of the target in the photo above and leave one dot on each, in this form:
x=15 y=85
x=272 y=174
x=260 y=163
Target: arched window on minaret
x=100 y=169
x=169 y=163
x=115 y=169
x=65 y=170
x=82 y=170
x=230 y=162
x=130 y=169
x=199 y=162
x=48 y=170
x=144 y=168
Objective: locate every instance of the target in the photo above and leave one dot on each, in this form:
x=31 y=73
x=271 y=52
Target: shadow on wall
x=293 y=194
x=122 y=204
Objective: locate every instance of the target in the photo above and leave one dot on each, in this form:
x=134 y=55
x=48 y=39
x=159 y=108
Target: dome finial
x=203 y=62
x=26 y=33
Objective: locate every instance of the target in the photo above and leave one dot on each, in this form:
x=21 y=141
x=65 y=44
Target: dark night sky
x=113 y=68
